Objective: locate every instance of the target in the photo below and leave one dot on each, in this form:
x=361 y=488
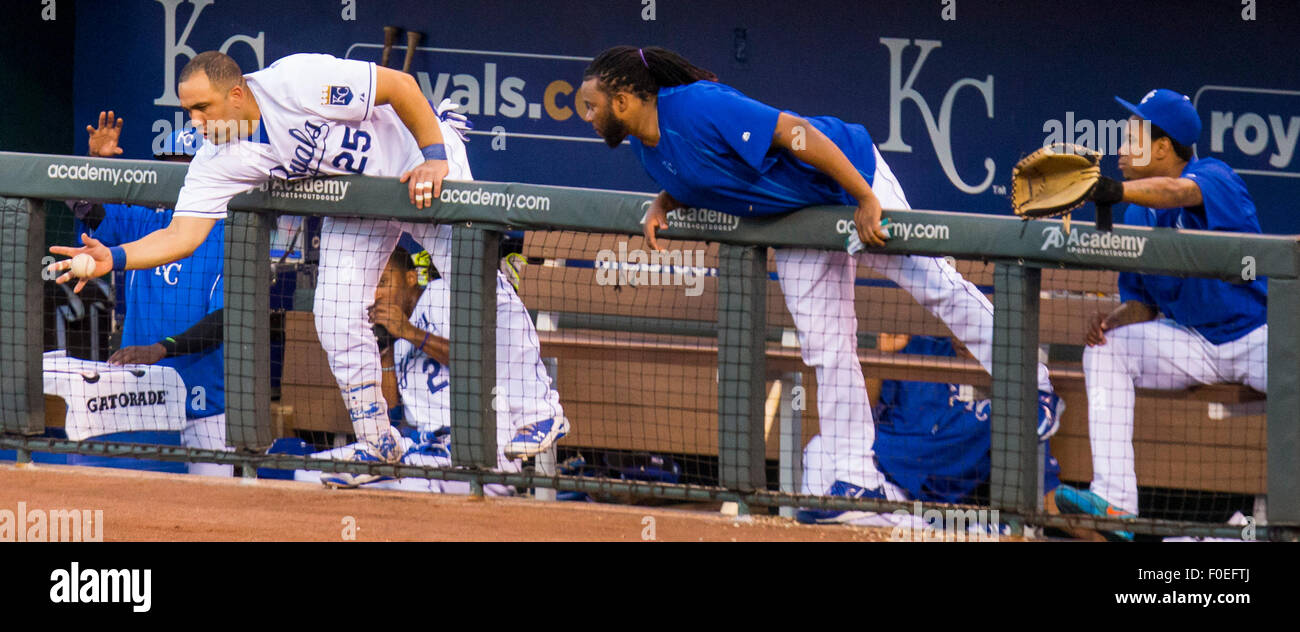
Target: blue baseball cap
x=1169 y=111
x=183 y=142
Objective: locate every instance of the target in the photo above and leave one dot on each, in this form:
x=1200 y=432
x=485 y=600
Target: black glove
x=1107 y=192
x=1104 y=194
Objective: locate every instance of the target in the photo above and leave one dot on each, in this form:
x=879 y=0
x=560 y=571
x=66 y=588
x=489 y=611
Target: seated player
x=932 y=440
x=1168 y=332
x=418 y=319
x=173 y=315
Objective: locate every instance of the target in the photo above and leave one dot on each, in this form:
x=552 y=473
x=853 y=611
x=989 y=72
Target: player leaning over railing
x=304 y=116
x=709 y=146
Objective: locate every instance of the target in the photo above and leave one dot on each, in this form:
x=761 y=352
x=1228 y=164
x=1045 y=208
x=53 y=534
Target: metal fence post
x=742 y=346
x=1283 y=402
x=473 y=346
x=22 y=243
x=791 y=461
x=246 y=330
x=1015 y=481
x=545 y=462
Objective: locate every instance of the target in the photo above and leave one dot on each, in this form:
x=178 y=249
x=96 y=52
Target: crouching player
x=419 y=320
x=932 y=442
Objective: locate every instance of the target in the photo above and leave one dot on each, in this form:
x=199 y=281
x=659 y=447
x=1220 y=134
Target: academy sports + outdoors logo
x=317 y=189
x=483 y=197
x=903 y=231
x=701 y=219
x=63 y=171
x=1090 y=242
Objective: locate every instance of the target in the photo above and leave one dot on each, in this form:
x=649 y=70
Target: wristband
x=119 y=257
x=1107 y=192
x=434 y=152
x=168 y=345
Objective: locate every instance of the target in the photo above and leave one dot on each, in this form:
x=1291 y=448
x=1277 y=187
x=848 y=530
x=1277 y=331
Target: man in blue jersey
x=1168 y=332
x=709 y=146
x=932 y=439
x=173 y=314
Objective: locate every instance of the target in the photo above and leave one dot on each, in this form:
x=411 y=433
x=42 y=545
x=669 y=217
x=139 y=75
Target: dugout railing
x=481 y=211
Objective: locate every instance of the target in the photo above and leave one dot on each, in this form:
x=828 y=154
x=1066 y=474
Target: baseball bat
x=412 y=40
x=390 y=38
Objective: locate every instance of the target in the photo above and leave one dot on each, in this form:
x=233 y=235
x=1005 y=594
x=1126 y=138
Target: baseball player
x=932 y=440
x=419 y=319
x=168 y=305
x=710 y=146
x=311 y=115
x=1168 y=332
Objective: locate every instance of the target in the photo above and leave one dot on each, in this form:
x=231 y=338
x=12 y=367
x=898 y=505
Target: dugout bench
x=648 y=384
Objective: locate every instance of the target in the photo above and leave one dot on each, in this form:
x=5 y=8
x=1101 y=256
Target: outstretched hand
x=103 y=139
x=97 y=251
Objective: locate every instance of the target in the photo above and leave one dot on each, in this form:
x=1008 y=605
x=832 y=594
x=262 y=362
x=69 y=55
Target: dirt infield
x=147 y=506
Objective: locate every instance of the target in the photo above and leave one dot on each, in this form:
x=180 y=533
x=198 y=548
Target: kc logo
x=941 y=129
x=174 y=46
x=170 y=273
x=337 y=95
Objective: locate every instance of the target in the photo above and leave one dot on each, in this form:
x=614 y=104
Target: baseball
x=83 y=266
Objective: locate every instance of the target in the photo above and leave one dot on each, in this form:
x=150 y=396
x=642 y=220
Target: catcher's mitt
x=1054 y=180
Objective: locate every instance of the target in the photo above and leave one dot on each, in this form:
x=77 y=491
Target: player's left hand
x=141 y=354
x=425 y=182
x=867 y=221
x=390 y=316
x=99 y=252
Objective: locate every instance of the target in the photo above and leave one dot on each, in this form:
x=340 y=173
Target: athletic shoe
x=390 y=449
x=842 y=490
x=1071 y=500
x=1050 y=409
x=537 y=438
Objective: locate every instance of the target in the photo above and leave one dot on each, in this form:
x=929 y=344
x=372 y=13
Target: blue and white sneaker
x=433 y=454
x=1050 y=409
x=830 y=516
x=390 y=449
x=537 y=438
x=1071 y=500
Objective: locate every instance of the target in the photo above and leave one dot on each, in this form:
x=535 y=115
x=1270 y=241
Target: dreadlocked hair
x=643 y=71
